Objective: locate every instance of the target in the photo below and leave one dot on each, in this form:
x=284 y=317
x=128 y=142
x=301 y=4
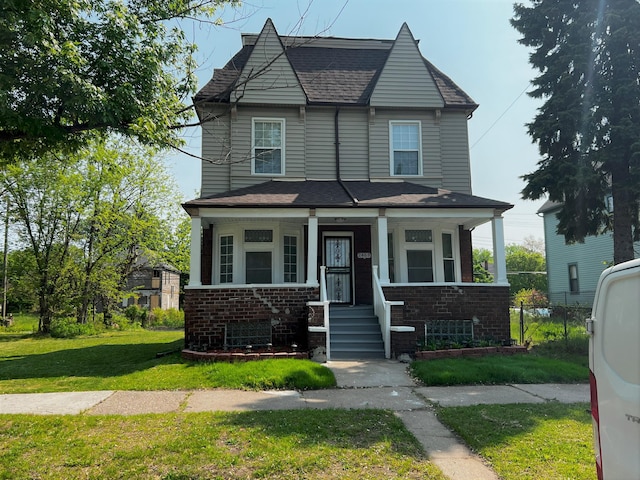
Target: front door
x=337 y=255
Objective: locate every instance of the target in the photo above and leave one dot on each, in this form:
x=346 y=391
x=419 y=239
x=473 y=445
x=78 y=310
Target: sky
x=471 y=41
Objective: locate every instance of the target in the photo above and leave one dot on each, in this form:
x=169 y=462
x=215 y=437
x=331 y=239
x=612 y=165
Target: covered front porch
x=266 y=256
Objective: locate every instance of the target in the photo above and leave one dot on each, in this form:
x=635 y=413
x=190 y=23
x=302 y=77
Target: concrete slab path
x=361 y=384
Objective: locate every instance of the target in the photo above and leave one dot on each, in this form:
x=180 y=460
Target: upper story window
x=405 y=148
x=268 y=146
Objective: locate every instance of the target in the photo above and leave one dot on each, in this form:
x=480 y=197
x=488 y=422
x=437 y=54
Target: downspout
x=337 y=139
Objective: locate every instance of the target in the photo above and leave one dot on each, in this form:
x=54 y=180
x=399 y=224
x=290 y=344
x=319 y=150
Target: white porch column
x=196 y=252
x=312 y=251
x=499 y=259
x=383 y=250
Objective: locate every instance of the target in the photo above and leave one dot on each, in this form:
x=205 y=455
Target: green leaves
x=71 y=67
x=85 y=218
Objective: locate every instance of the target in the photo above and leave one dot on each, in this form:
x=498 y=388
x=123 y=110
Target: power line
x=501 y=115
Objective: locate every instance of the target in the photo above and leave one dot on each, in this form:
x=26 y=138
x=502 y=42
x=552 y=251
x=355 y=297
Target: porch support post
x=499 y=258
x=312 y=250
x=383 y=248
x=196 y=252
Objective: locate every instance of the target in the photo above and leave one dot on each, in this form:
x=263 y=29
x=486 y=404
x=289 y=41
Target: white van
x=614 y=363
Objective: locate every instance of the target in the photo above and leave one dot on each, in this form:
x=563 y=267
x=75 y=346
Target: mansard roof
x=331 y=71
x=328 y=194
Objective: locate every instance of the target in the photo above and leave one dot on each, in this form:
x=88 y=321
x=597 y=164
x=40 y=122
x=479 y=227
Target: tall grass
x=555 y=336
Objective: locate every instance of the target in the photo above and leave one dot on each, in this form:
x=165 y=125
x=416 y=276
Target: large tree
x=69 y=69
x=86 y=217
x=588 y=129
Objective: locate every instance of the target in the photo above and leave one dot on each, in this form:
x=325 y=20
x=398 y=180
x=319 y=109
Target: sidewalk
x=361 y=384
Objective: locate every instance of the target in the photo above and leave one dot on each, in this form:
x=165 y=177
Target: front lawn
x=498 y=369
x=127 y=361
x=530 y=441
x=318 y=444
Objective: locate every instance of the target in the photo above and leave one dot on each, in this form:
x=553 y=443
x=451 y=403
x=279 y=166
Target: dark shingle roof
x=331 y=75
x=317 y=194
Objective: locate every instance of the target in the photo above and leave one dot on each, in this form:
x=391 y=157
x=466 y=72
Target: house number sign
x=364 y=255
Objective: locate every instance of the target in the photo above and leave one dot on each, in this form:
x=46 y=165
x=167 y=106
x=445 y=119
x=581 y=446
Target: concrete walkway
x=361 y=384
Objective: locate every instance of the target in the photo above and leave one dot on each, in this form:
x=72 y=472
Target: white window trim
x=249 y=247
x=282 y=146
x=391 y=149
x=403 y=246
x=276 y=247
x=298 y=255
x=456 y=255
x=216 y=258
x=435 y=246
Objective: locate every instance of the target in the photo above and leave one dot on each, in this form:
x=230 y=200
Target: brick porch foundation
x=487 y=305
x=208 y=310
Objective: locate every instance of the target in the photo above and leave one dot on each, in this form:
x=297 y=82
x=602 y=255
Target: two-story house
x=336 y=173
x=153 y=285
x=573 y=270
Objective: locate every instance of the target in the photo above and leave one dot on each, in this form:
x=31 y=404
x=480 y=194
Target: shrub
x=136 y=313
x=70 y=328
x=171 y=318
x=531 y=298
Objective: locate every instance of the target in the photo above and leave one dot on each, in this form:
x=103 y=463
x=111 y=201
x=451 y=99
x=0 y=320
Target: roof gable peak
x=268 y=76
x=405 y=80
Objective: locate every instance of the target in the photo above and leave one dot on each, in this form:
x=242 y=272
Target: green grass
x=127 y=361
x=320 y=444
x=549 y=440
x=498 y=369
x=22 y=323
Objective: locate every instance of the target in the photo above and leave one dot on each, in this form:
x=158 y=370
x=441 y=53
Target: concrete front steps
x=355 y=333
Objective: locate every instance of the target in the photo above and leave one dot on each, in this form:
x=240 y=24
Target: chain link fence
x=536 y=324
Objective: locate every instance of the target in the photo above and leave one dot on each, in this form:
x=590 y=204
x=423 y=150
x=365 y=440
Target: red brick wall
x=206 y=312
x=466 y=254
x=487 y=303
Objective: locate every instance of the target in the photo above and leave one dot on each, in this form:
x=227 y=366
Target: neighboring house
x=154 y=286
x=573 y=270
x=336 y=173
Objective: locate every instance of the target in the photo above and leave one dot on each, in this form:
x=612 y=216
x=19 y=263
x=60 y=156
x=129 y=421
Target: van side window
x=573 y=278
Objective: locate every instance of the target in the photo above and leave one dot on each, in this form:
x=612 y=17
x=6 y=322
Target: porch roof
x=333 y=194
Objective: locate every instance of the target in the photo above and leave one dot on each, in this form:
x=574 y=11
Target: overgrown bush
x=122 y=322
x=531 y=298
x=170 y=318
x=70 y=328
x=137 y=314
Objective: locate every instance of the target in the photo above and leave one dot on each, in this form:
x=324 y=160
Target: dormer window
x=268 y=146
x=405 y=148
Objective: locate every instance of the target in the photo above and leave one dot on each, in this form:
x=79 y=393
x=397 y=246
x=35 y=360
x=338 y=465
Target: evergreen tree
x=588 y=129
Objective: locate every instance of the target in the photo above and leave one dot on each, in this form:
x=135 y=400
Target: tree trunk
x=622 y=217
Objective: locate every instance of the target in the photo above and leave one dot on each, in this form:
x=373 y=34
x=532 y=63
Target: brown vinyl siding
x=268 y=77
x=456 y=170
x=216 y=147
x=379 y=146
x=405 y=80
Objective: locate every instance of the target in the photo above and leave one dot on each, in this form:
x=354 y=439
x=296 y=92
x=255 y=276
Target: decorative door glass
x=338 y=261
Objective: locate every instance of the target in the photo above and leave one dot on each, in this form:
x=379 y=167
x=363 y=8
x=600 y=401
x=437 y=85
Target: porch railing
x=382 y=309
x=324 y=302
